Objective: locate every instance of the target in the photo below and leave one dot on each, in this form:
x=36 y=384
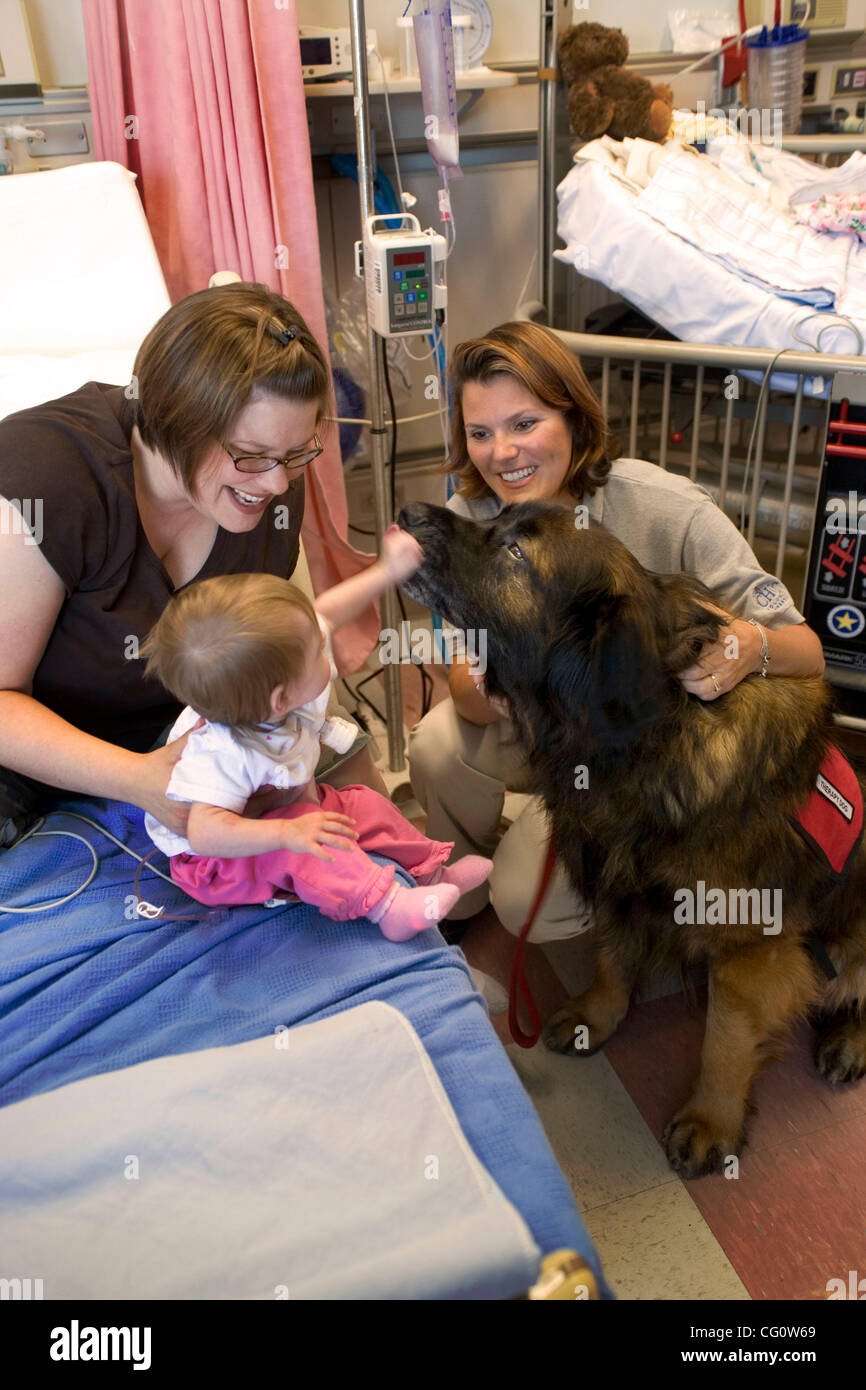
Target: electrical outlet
x=59 y=138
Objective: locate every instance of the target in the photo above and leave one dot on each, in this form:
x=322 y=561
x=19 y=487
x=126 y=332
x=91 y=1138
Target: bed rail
x=687 y=407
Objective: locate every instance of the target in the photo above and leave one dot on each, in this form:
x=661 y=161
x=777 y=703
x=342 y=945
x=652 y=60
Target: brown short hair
x=201 y=362
x=542 y=363
x=224 y=644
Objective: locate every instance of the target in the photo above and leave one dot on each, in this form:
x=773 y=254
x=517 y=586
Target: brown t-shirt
x=70 y=459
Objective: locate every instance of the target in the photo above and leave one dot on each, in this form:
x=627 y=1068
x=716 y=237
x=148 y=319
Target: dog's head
x=578 y=634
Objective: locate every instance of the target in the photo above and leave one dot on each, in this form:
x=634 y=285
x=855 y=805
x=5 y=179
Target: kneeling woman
x=528 y=428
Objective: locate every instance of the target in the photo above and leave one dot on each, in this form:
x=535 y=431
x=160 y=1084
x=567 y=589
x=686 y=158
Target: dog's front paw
x=568 y=1031
x=840 y=1052
x=696 y=1144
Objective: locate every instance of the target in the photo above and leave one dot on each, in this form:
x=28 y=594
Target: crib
x=750 y=424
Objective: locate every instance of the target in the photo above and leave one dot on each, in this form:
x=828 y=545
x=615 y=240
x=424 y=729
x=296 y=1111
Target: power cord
x=813 y=347
x=426 y=681
x=355 y=692
x=144 y=909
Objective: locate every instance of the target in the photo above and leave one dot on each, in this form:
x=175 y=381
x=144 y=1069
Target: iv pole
x=393 y=691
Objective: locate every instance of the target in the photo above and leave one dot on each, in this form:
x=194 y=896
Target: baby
x=251 y=656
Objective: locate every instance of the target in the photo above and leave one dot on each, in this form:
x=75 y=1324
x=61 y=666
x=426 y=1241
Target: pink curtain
x=204 y=101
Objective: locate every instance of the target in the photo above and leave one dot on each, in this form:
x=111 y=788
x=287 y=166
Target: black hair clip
x=283 y=335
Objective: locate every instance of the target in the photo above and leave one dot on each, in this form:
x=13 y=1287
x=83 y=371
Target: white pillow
x=78 y=268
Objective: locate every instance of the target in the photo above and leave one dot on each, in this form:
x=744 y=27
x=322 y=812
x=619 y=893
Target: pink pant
x=347 y=888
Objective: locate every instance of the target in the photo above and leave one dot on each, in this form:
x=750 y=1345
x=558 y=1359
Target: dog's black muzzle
x=434 y=528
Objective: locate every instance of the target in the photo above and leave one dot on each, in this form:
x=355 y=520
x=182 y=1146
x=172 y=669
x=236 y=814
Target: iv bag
x=434 y=44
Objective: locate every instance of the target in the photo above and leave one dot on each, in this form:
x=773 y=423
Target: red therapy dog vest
x=831 y=819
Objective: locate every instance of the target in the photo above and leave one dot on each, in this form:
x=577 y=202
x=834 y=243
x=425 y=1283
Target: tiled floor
x=795 y=1215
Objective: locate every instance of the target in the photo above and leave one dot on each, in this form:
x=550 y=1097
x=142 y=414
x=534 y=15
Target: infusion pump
x=402 y=273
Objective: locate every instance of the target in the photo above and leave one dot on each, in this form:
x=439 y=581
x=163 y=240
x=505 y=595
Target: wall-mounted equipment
x=835 y=597
x=819 y=14
x=327 y=53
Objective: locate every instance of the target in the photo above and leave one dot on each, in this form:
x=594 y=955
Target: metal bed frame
x=667 y=398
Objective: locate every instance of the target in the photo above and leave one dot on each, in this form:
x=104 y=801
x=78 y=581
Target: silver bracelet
x=765 y=646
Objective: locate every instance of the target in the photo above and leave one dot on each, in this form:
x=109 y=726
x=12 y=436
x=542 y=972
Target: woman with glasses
x=195 y=469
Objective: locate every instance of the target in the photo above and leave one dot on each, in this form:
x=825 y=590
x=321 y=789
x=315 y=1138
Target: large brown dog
x=679 y=797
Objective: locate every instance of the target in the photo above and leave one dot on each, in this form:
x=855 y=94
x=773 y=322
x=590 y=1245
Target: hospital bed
x=703 y=390
x=244 y=1103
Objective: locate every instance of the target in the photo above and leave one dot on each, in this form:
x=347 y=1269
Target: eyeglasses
x=260 y=463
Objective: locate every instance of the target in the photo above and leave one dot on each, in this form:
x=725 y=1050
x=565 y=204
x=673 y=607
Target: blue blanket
x=90 y=987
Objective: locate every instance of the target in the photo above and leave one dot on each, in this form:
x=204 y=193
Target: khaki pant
x=460 y=773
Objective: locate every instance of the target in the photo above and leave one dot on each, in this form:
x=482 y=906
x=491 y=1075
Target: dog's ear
x=689 y=623
x=607 y=670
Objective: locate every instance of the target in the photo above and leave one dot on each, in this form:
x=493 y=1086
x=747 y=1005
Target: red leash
x=518 y=977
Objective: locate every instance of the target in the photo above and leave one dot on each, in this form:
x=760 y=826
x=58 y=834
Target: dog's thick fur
x=585 y=646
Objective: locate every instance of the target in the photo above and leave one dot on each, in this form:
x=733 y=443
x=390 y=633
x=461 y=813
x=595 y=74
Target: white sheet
x=730 y=222
x=610 y=239
x=331 y=1168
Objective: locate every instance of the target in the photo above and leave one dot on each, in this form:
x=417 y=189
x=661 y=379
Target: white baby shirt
x=221 y=768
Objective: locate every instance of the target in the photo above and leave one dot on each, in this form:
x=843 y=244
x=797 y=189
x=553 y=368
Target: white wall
x=515 y=24
x=57 y=33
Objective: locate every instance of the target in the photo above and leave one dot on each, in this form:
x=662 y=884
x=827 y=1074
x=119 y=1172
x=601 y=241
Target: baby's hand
x=401 y=554
x=309 y=834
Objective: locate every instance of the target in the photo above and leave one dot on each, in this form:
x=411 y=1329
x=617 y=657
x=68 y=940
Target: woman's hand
x=152 y=779
x=724 y=663
x=310 y=834
x=401 y=554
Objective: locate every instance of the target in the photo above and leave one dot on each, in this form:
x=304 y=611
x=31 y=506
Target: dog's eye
x=514 y=549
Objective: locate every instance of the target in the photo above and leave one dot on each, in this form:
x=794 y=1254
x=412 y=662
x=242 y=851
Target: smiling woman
x=526 y=421
x=142 y=490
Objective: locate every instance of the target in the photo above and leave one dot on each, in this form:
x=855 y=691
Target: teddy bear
x=604 y=97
